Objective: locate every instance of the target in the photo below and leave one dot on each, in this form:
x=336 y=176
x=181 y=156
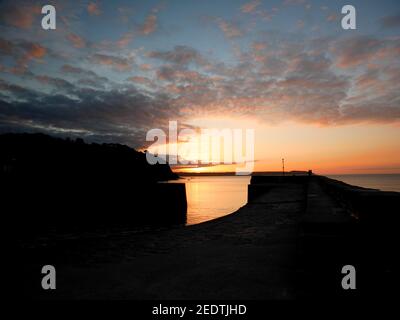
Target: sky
x=319 y=96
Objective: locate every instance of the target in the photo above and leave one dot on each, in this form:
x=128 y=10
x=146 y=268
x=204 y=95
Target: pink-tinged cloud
x=390 y=51
x=230 y=29
x=34 y=51
x=367 y=80
x=186 y=76
x=20 y=16
x=181 y=55
x=355 y=51
x=316 y=84
x=126 y=39
x=258 y=46
x=93 y=9
x=145 y=67
x=149 y=25
x=140 y=80
x=250 y=7
x=22 y=52
x=332 y=17
x=76 y=40
x=359 y=50
x=118 y=63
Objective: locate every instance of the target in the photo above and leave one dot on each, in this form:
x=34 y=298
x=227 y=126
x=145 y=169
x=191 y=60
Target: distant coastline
x=380 y=181
x=255 y=173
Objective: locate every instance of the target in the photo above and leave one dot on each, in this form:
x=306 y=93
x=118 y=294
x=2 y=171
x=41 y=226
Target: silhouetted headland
x=63 y=184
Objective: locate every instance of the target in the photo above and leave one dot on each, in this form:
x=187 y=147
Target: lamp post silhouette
x=283 y=166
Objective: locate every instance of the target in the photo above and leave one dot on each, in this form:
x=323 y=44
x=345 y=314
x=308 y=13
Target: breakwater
x=340 y=224
x=86 y=206
x=363 y=204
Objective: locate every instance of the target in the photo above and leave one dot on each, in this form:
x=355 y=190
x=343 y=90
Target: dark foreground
x=290 y=241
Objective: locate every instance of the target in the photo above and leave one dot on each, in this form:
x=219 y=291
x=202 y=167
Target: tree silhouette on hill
x=54 y=158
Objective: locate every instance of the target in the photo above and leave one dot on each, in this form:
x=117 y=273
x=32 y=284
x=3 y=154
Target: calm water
x=384 y=182
x=212 y=197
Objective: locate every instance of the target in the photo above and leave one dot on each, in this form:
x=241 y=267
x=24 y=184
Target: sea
x=211 y=197
x=384 y=182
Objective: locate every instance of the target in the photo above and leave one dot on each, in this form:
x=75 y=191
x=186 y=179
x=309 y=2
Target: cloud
x=250 y=7
x=117 y=63
x=181 y=55
x=229 y=28
x=368 y=79
x=19 y=15
x=15 y=91
x=93 y=9
x=76 y=40
x=75 y=70
x=391 y=21
x=302 y=85
x=253 y=8
x=259 y=46
x=354 y=51
x=6 y=47
x=141 y=80
x=370 y=112
x=86 y=77
x=145 y=67
x=149 y=25
x=332 y=17
x=22 y=52
x=308 y=92
x=170 y=73
x=126 y=39
x=58 y=83
x=34 y=50
x=120 y=115
x=22 y=49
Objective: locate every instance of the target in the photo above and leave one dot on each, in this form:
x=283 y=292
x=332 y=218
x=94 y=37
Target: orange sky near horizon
x=345 y=149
